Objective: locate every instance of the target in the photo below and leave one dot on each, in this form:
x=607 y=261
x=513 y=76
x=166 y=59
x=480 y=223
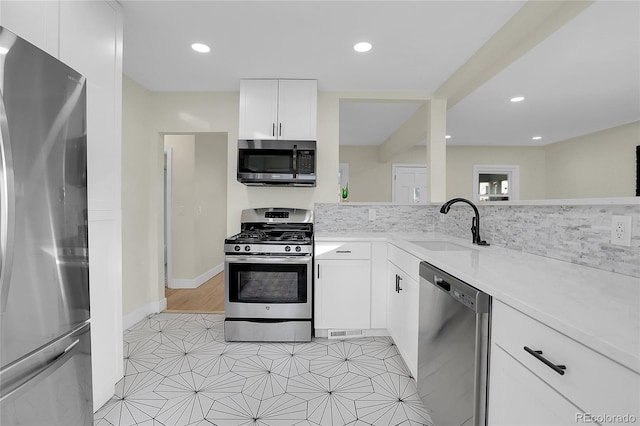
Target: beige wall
x=140 y=237
x=369 y=179
x=460 y=161
x=211 y=200
x=600 y=164
x=198 y=202
x=183 y=205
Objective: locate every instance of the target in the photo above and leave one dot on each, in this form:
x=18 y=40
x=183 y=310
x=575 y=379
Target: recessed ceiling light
x=536 y=138
x=517 y=99
x=201 y=48
x=447 y=137
x=362 y=47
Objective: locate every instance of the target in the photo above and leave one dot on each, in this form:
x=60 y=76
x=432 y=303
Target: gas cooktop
x=273 y=231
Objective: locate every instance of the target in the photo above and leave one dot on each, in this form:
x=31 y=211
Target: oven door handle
x=268 y=259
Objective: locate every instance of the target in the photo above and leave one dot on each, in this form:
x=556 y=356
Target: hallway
x=208 y=298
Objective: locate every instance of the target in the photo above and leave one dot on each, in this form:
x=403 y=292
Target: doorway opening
x=195 y=194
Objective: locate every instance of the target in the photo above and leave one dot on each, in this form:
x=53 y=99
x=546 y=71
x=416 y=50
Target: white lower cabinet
x=342 y=292
x=519 y=397
x=575 y=385
x=403 y=298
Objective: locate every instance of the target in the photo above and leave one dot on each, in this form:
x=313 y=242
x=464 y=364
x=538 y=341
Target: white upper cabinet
x=278 y=109
x=35 y=21
x=297 y=109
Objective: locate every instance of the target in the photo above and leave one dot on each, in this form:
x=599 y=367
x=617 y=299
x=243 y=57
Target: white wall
x=601 y=164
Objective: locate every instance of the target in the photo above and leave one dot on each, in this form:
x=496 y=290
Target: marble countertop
x=597 y=308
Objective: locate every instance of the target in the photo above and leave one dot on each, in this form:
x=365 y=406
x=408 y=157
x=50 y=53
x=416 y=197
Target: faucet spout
x=475 y=221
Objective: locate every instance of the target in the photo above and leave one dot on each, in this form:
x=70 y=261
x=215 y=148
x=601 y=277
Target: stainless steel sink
x=436 y=245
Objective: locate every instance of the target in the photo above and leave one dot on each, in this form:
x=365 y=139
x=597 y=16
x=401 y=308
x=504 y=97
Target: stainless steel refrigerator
x=45 y=347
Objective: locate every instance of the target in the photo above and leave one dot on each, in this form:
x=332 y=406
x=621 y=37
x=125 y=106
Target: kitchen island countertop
x=597 y=308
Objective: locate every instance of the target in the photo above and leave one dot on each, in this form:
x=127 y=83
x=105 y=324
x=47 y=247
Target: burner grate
x=253 y=234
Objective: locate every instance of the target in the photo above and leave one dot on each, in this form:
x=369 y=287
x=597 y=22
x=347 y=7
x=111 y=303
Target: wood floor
x=208 y=298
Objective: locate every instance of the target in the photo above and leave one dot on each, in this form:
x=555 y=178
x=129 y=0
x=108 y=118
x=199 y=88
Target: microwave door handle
x=295 y=161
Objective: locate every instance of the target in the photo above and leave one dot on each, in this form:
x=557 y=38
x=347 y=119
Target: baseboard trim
x=142 y=312
x=197 y=281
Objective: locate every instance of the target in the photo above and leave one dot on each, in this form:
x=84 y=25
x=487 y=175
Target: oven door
x=268 y=287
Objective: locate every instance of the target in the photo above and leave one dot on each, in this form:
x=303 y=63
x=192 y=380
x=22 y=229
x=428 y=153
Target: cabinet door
x=519 y=397
x=379 y=288
x=297 y=110
x=394 y=306
x=410 y=295
x=34 y=21
x=258 y=109
x=343 y=296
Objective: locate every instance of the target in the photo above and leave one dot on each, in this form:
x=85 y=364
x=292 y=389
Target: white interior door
x=409 y=183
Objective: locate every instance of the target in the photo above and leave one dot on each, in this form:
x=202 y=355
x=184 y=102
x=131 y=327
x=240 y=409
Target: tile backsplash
x=574 y=233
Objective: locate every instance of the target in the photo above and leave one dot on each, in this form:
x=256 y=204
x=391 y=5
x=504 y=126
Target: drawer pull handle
x=343 y=251
x=538 y=355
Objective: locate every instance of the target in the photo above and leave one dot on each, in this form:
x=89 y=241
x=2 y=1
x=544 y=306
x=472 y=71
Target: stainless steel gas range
x=268 y=277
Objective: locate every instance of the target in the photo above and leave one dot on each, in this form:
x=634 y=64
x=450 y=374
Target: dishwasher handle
x=442 y=283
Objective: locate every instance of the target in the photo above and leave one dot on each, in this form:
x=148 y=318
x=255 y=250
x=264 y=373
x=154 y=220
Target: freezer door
x=51 y=386
x=44 y=276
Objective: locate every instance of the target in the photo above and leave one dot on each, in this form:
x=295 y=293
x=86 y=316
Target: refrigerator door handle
x=14 y=390
x=7 y=206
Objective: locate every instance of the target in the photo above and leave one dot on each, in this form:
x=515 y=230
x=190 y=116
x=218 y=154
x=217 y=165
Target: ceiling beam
x=534 y=22
x=412 y=131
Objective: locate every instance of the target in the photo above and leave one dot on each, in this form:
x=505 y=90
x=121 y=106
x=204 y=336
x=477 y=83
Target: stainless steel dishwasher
x=453 y=341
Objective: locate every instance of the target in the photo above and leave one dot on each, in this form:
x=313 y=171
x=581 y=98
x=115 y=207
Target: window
x=495 y=183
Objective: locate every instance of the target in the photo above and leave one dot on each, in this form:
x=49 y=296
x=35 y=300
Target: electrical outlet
x=621 y=230
x=372 y=214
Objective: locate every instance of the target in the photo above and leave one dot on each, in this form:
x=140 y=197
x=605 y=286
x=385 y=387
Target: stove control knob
x=298 y=248
x=237 y=248
x=287 y=249
x=247 y=248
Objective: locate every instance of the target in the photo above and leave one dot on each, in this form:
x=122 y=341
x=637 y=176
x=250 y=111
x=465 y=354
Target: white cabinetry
x=342 y=295
x=403 y=300
x=34 y=21
x=87 y=36
x=278 y=109
x=379 y=285
x=524 y=390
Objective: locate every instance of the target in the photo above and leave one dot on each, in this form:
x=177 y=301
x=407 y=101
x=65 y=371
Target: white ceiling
x=582 y=78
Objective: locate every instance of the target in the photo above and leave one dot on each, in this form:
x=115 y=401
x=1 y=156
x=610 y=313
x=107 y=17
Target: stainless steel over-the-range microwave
x=277 y=162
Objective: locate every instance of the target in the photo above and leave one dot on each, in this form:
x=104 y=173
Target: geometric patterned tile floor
x=180 y=371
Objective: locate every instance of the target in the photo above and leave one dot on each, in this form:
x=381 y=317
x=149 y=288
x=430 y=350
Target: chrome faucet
x=475 y=222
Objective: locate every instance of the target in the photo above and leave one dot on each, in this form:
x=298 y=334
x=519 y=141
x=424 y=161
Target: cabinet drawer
x=591 y=381
x=342 y=250
x=405 y=261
